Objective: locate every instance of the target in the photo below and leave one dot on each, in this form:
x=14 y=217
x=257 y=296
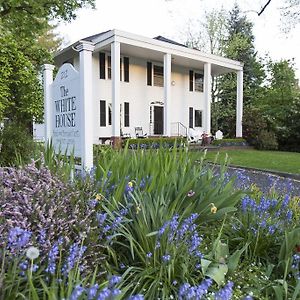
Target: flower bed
x=145 y=225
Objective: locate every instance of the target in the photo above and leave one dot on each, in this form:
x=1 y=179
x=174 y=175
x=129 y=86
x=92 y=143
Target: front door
x=158 y=120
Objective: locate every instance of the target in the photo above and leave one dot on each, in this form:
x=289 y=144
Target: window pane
x=109 y=67
x=158 y=76
x=102 y=113
x=198 y=118
x=191 y=81
x=149 y=73
x=121 y=69
x=191 y=121
x=109 y=114
x=126 y=69
x=198 y=82
x=126 y=114
x=102 y=65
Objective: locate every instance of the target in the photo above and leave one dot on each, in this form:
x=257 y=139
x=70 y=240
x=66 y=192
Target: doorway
x=158 y=120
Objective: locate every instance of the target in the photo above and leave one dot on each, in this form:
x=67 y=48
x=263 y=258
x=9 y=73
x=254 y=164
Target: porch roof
x=153 y=49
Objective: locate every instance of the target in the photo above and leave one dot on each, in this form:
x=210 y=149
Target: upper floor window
x=196 y=82
x=106 y=67
x=155 y=74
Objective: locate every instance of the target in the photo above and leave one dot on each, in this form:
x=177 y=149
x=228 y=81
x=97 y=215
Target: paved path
x=265 y=181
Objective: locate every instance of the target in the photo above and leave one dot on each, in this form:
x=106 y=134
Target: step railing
x=178 y=129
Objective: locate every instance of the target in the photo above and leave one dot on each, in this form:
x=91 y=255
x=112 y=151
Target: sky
x=170 y=18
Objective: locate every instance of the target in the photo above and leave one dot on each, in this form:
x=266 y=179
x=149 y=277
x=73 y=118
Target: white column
x=47 y=81
x=207 y=98
x=167 y=94
x=86 y=103
x=239 y=104
x=115 y=76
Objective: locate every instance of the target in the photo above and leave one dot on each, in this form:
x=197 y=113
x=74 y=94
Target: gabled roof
x=163 y=39
x=92 y=38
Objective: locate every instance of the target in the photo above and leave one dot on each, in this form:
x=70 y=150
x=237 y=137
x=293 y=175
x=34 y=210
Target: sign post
x=68 y=108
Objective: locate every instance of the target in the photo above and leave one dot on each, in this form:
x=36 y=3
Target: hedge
x=154 y=143
x=230 y=142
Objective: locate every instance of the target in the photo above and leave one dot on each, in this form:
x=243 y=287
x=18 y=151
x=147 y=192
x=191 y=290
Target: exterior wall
x=140 y=95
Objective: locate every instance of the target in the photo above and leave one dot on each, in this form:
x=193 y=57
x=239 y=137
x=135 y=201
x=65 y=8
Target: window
x=191 y=120
x=198 y=82
x=191 y=81
x=109 y=114
x=158 y=75
x=198 y=118
x=195 y=81
x=102 y=113
x=149 y=73
x=102 y=65
x=126 y=114
x=109 y=67
x=126 y=69
x=121 y=69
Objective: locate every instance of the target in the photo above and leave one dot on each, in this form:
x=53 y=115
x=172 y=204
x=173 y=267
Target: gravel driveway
x=265 y=181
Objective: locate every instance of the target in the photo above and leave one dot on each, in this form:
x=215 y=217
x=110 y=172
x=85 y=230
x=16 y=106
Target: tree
x=20 y=90
x=281 y=103
x=239 y=46
x=49 y=9
x=27 y=41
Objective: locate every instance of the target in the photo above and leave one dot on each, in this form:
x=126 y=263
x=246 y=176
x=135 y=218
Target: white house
x=137 y=83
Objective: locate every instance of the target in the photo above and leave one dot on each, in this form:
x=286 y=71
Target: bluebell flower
x=166 y=258
x=23 y=265
x=18 y=238
x=225 y=293
x=75 y=254
x=114 y=280
x=149 y=254
x=136 y=297
x=52 y=257
x=92 y=291
x=77 y=292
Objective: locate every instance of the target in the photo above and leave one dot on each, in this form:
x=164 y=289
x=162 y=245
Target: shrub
x=17 y=145
x=230 y=142
x=40 y=203
x=266 y=140
x=154 y=143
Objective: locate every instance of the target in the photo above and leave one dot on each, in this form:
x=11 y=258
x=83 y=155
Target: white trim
x=239 y=104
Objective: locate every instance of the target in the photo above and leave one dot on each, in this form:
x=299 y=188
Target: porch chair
x=139 y=132
x=194 y=136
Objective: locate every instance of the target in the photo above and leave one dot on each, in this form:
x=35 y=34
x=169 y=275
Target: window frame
x=198 y=118
x=102 y=114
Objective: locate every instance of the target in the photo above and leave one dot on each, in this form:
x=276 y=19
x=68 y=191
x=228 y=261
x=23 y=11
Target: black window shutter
x=102 y=113
x=191 y=120
x=149 y=73
x=126 y=114
x=102 y=65
x=191 y=81
x=126 y=69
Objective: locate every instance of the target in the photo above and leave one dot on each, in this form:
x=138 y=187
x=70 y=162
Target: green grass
x=267 y=160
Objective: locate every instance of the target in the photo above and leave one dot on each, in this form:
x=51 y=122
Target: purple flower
x=166 y=258
x=75 y=255
x=92 y=292
x=18 y=238
x=77 y=292
x=136 y=297
x=52 y=256
x=114 y=280
x=225 y=293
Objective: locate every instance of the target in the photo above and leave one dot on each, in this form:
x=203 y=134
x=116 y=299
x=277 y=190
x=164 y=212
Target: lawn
x=266 y=160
